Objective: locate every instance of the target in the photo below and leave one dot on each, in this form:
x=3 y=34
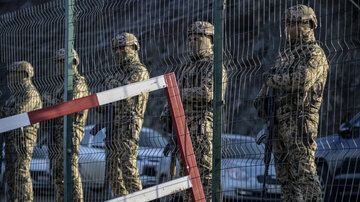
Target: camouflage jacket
x=24 y=98
x=195 y=83
x=132 y=106
x=298 y=79
x=80 y=89
x=196 y=87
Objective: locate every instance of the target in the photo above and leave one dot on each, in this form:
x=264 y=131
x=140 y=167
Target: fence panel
x=118 y=148
x=260 y=56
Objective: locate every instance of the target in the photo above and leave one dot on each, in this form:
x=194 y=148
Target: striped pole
x=183 y=138
x=167 y=81
x=72 y=106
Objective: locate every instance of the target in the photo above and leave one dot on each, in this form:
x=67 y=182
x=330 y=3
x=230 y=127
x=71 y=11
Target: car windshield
x=242 y=148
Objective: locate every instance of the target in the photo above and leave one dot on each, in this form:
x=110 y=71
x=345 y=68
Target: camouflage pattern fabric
x=122 y=144
x=125 y=39
x=56 y=154
x=20 y=142
x=201 y=27
x=300 y=13
x=196 y=89
x=125 y=49
x=298 y=79
x=200 y=38
x=196 y=84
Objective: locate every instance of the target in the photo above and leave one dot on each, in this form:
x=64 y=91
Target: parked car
x=151 y=144
x=338 y=162
x=92 y=160
x=242 y=170
x=91 y=163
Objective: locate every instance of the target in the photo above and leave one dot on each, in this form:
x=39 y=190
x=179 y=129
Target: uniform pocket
x=307 y=129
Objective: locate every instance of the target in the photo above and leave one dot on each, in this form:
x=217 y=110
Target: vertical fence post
x=218 y=62
x=68 y=93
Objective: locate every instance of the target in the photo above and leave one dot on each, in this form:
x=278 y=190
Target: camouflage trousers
x=121 y=153
x=56 y=155
x=294 y=152
x=201 y=133
x=19 y=146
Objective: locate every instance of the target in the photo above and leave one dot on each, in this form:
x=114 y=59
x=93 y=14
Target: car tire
x=322 y=173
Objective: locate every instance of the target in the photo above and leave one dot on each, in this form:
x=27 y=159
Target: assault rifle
x=267 y=137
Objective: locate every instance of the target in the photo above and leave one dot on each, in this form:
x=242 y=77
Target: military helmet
x=22 y=66
x=60 y=55
x=201 y=27
x=301 y=13
x=125 y=39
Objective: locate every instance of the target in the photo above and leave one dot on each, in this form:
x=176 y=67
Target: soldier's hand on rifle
x=170 y=147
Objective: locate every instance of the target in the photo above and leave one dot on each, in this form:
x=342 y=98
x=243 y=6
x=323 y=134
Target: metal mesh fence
x=304 y=89
x=262 y=57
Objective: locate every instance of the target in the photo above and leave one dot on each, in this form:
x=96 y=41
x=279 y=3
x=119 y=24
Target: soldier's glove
x=170 y=147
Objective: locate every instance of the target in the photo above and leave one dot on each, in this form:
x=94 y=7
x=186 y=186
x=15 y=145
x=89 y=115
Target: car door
x=347 y=177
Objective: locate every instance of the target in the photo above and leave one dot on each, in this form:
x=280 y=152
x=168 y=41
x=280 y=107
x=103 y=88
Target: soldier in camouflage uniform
x=56 y=155
x=20 y=142
x=123 y=142
x=196 y=88
x=298 y=80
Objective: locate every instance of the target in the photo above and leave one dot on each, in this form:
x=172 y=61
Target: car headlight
x=237 y=173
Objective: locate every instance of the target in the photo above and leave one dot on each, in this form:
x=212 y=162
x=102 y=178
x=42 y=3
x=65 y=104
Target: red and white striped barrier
x=65 y=108
x=157 y=191
x=167 y=81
